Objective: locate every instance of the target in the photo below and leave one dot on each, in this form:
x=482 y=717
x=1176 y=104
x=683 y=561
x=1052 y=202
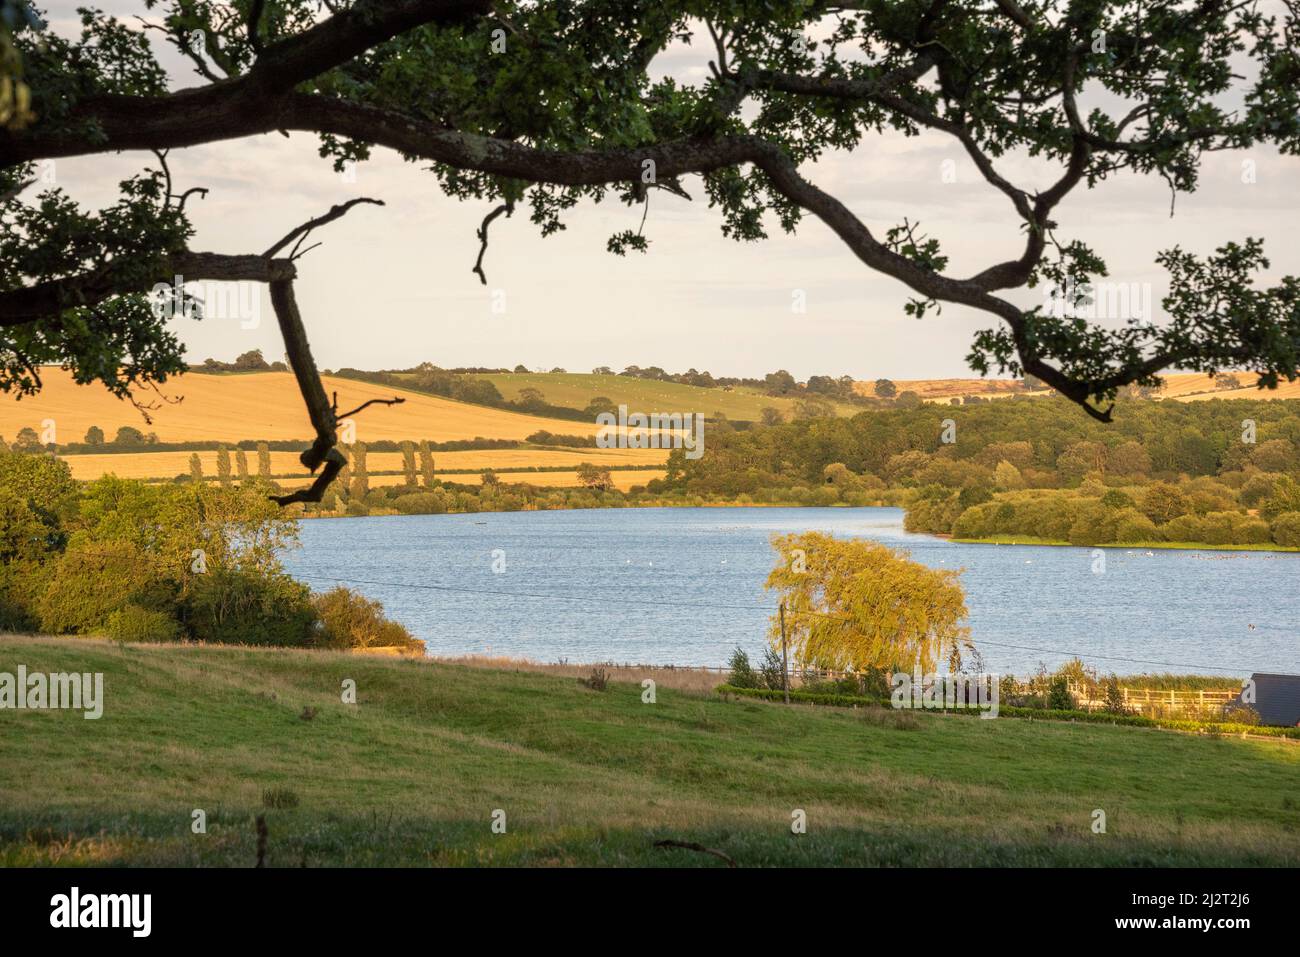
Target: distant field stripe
x=166 y=465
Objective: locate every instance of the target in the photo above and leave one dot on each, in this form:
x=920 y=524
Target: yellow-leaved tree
x=853 y=604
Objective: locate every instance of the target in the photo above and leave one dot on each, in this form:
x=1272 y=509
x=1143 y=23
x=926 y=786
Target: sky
x=392 y=286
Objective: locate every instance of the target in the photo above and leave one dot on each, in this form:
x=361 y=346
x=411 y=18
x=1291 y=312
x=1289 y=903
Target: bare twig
x=334 y=213
x=396 y=400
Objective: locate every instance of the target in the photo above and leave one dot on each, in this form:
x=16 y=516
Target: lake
x=684 y=586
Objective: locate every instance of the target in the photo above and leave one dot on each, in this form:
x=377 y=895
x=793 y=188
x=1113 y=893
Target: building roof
x=1277 y=699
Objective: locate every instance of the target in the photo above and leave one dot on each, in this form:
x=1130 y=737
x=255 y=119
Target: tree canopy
x=544 y=105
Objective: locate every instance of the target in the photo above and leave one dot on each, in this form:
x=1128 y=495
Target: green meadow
x=416 y=770
x=577 y=389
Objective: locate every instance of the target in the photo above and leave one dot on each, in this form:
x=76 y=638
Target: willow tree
x=542 y=105
x=856 y=604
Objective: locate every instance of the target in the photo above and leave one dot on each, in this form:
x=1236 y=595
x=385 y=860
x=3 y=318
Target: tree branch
x=301 y=232
x=397 y=400
x=508 y=208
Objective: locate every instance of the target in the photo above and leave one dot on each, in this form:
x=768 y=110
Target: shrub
x=1132 y=526
x=1116 y=499
x=90 y=582
x=21 y=588
x=598 y=680
x=742 y=673
x=133 y=623
x=350 y=620
x=1058 y=695
x=1114 y=696
x=1241 y=714
x=421 y=503
x=244 y=607
x=1184 y=528
x=1286 y=529
x=771 y=670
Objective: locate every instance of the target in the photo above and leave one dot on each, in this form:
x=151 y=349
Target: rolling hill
x=576 y=390
x=267 y=406
x=933 y=390
x=264 y=406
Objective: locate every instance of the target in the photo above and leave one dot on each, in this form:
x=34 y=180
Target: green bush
x=349 y=620
x=1183 y=528
x=133 y=623
x=772 y=671
x=1114 y=696
x=1286 y=529
x=1132 y=526
x=21 y=588
x=742 y=673
x=421 y=503
x=245 y=607
x=1058 y=695
x=90 y=582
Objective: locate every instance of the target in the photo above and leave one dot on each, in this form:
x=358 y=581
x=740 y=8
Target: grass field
x=576 y=390
x=413 y=772
x=263 y=405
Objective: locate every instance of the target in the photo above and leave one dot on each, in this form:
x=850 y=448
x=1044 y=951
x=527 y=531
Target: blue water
x=684 y=586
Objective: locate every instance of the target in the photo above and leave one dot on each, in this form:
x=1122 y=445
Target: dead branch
x=301 y=232
x=319 y=410
x=508 y=207
x=396 y=400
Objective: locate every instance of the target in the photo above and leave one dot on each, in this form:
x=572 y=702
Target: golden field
x=166 y=465
x=1183 y=386
x=261 y=405
x=267 y=406
x=931 y=390
x=1197 y=386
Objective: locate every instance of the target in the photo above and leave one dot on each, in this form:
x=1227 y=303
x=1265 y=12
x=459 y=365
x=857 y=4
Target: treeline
x=251 y=361
x=1213 y=472
x=432 y=380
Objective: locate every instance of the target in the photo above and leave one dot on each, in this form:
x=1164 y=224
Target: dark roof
x=1277 y=699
